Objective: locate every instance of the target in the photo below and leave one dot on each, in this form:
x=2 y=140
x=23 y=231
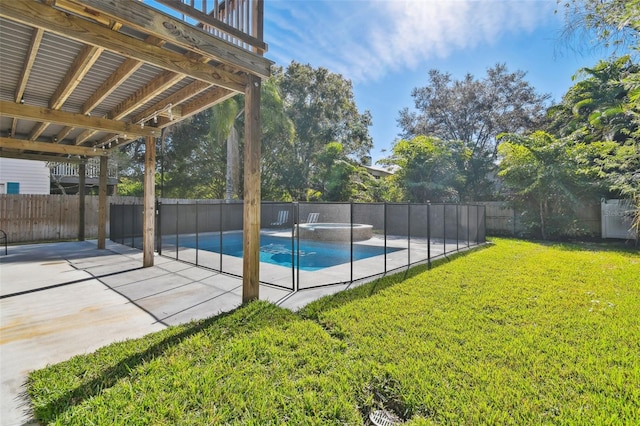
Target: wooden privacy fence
x=30 y=218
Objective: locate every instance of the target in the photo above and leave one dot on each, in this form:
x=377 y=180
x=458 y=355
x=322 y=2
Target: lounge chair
x=283 y=217
x=313 y=218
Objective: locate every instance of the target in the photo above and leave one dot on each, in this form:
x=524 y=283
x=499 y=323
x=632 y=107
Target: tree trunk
x=233 y=164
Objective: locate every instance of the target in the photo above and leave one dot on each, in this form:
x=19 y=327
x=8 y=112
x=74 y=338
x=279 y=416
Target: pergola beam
x=41 y=157
x=48 y=148
x=158 y=85
x=32 y=52
x=212 y=97
x=33 y=113
x=79 y=68
x=34 y=46
x=177 y=98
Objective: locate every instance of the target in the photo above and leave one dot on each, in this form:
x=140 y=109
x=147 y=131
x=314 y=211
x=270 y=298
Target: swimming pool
x=314 y=255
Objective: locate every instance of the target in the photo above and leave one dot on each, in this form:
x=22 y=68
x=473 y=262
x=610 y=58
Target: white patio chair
x=283 y=217
x=313 y=217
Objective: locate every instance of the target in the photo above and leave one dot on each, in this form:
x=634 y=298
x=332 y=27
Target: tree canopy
x=321 y=106
x=551 y=179
x=616 y=23
x=595 y=108
x=474 y=112
x=427 y=168
x=313 y=141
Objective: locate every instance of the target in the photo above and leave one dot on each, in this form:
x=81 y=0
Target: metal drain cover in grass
x=384 y=418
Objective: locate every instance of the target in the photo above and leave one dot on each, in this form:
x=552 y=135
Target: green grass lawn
x=516 y=333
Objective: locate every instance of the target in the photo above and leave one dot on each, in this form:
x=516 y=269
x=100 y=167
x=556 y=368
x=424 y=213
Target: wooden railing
x=239 y=22
x=92 y=169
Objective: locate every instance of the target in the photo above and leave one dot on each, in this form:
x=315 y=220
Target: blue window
x=13 y=187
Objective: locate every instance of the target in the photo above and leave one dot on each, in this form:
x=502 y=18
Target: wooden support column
x=102 y=203
x=251 y=257
x=82 y=171
x=148 y=221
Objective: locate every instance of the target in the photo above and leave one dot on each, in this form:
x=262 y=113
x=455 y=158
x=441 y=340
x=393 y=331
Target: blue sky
x=387 y=47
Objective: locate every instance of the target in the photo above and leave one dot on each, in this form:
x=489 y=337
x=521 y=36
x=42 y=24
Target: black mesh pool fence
x=307 y=245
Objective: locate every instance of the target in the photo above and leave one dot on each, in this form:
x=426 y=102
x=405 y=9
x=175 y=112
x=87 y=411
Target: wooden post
x=148 y=221
x=102 y=203
x=82 y=171
x=251 y=256
x=257 y=29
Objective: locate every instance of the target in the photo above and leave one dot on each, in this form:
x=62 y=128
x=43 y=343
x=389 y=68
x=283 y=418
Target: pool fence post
x=484 y=223
x=220 y=232
x=457 y=229
x=477 y=225
x=384 y=220
x=409 y=234
x=444 y=228
x=159 y=225
x=197 y=234
x=122 y=233
x=351 y=240
x=468 y=230
x=294 y=219
x=429 y=235
x=133 y=222
x=177 y=227
x=298 y=250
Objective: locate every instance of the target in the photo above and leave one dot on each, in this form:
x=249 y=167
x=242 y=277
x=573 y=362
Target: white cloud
x=364 y=40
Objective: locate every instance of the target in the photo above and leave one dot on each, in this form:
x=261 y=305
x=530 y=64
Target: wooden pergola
x=81 y=78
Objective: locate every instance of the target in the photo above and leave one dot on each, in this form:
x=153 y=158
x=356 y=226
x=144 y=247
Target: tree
x=278 y=135
x=227 y=130
x=194 y=163
x=594 y=109
x=474 y=112
x=428 y=168
x=224 y=129
x=302 y=111
x=550 y=178
x=322 y=108
x=616 y=23
x=333 y=178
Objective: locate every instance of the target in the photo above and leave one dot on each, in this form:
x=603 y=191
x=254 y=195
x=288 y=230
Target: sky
x=386 y=48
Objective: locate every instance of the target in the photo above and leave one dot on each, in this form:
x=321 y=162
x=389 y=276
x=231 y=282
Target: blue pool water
x=314 y=255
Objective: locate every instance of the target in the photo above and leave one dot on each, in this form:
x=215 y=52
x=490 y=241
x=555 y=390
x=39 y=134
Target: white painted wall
x=33 y=176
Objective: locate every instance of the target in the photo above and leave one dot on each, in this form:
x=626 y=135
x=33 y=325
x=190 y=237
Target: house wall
x=32 y=176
